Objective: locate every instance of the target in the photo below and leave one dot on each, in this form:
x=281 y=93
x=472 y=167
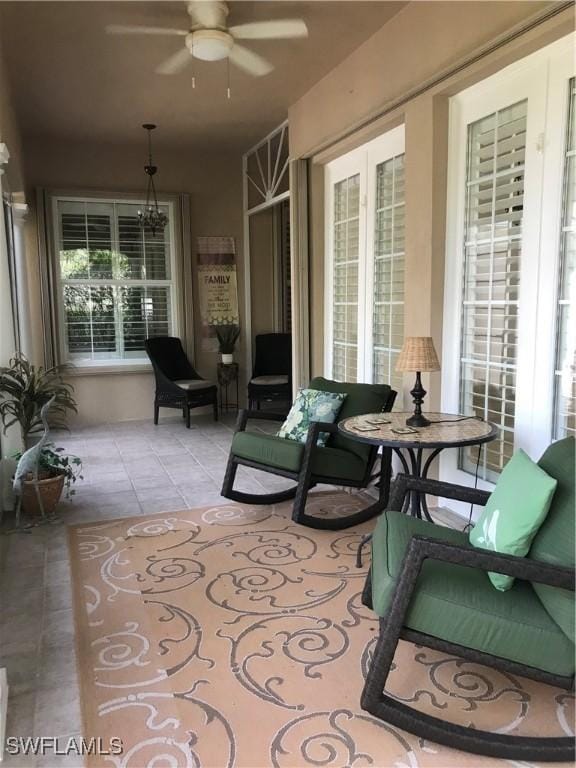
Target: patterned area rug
x=228 y=636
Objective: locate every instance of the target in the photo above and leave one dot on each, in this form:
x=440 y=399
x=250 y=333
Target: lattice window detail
x=266 y=169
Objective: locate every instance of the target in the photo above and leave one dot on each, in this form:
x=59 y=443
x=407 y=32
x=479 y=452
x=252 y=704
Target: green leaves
x=227 y=337
x=25 y=388
x=53 y=461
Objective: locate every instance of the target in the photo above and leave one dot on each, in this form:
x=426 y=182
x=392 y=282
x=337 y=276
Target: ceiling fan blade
x=119 y=29
x=250 y=62
x=176 y=63
x=281 y=29
x=208 y=13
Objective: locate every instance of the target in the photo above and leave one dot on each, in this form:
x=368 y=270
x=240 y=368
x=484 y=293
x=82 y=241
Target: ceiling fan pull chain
x=228 y=72
x=193 y=82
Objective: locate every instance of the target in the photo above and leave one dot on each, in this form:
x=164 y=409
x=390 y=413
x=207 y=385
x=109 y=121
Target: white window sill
x=107 y=369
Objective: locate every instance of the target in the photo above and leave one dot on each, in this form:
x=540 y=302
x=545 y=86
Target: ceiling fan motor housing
x=209 y=44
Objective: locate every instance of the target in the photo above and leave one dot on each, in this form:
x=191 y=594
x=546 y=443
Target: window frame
x=536 y=78
x=176 y=283
x=392 y=146
x=559 y=103
x=362 y=161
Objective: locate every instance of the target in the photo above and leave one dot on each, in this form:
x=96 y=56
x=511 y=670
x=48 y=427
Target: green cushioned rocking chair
x=341 y=462
x=430 y=586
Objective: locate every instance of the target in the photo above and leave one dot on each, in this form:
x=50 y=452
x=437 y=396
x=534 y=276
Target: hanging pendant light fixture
x=151 y=217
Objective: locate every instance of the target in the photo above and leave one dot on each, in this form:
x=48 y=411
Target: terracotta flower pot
x=50 y=488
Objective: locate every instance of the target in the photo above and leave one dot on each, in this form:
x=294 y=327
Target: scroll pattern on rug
x=230 y=637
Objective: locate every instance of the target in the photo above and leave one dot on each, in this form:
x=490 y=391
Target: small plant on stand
x=227 y=336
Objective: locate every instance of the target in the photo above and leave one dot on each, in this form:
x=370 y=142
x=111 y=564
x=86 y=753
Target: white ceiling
x=71 y=80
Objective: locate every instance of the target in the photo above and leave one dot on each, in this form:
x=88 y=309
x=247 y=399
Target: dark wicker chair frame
x=306 y=480
x=170 y=395
x=392 y=629
x=273 y=358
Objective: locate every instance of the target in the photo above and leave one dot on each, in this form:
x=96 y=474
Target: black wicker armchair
x=272 y=374
x=177 y=383
x=429 y=586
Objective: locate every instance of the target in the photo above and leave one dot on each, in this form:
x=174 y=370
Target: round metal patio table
x=446 y=430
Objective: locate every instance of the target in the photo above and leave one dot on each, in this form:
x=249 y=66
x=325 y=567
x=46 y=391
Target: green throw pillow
x=515 y=511
x=311 y=405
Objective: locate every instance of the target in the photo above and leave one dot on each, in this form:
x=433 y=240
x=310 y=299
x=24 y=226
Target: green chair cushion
x=362 y=398
x=458 y=604
x=287 y=454
x=555 y=540
x=516 y=509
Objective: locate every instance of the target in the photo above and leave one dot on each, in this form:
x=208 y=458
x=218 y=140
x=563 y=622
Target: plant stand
x=227 y=374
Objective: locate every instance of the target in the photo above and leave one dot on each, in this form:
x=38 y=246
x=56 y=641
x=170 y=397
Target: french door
x=510 y=260
x=364 y=276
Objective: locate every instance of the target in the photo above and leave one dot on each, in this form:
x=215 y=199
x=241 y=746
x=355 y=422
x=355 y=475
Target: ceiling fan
x=209 y=39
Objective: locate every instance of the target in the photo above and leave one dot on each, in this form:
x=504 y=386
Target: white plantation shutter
x=388 y=313
x=115 y=280
x=346 y=234
x=144 y=257
x=508 y=338
x=365 y=261
x=285 y=267
x=492 y=260
x=565 y=369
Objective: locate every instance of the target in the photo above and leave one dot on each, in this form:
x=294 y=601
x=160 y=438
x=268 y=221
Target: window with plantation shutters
x=345 y=279
x=388 y=283
x=116 y=280
x=509 y=292
x=492 y=263
x=565 y=369
x=365 y=262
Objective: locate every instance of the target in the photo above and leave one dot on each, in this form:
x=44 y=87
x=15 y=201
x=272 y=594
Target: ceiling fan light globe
x=209 y=44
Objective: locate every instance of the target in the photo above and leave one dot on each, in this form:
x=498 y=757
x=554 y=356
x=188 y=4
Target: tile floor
x=130 y=468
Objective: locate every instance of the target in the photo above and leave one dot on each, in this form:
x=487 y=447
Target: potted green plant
x=58 y=472
x=227 y=336
x=24 y=389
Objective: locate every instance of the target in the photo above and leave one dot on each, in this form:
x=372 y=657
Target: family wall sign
x=217 y=285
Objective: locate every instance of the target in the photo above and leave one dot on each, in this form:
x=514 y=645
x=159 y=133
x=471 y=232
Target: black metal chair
x=342 y=462
x=272 y=374
x=429 y=586
x=177 y=383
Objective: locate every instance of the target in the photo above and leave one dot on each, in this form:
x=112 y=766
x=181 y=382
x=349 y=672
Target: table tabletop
x=454 y=430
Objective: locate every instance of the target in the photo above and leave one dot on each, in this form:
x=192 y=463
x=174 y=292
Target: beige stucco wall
x=10 y=135
x=262 y=271
x=12 y=181
x=214 y=183
x=421 y=42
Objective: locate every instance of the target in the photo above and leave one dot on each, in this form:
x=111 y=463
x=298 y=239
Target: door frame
x=534 y=78
x=362 y=161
